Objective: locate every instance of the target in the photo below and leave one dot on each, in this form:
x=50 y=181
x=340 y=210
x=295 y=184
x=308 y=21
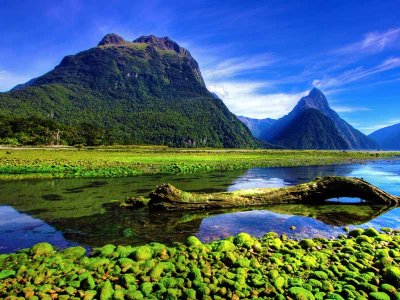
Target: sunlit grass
x=136 y=160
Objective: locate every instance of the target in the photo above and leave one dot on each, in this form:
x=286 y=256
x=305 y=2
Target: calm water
x=68 y=212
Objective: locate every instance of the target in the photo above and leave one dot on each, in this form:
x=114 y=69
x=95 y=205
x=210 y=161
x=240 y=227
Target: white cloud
x=9 y=80
x=245 y=98
x=234 y=66
x=356 y=74
x=347 y=109
x=373 y=42
x=372 y=128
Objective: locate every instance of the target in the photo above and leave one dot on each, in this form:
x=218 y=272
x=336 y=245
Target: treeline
x=38 y=131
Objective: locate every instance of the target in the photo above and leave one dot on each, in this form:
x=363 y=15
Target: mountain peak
x=315 y=93
x=315 y=99
x=163 y=43
x=112 y=39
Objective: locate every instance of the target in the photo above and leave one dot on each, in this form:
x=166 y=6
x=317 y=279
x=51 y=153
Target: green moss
x=224 y=246
x=364 y=238
x=74 y=252
x=379 y=296
x=143 y=253
x=372 y=232
x=244 y=239
x=107 y=250
x=6 y=274
x=299 y=293
x=193 y=241
x=335 y=269
x=307 y=243
x=392 y=275
x=42 y=249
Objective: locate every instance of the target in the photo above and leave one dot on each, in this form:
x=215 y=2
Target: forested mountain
x=257 y=126
x=146 y=91
x=312 y=124
x=388 y=138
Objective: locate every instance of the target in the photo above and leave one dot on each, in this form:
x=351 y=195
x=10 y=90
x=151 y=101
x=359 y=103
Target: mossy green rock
x=225 y=245
x=364 y=238
x=193 y=241
x=6 y=274
x=392 y=275
x=356 y=232
x=42 y=249
x=372 y=232
x=107 y=291
x=243 y=239
x=307 y=243
x=107 y=250
x=379 y=296
x=299 y=293
x=143 y=253
x=133 y=295
x=74 y=252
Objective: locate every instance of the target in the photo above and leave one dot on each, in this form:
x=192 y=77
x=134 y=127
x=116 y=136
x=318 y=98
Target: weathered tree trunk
x=167 y=197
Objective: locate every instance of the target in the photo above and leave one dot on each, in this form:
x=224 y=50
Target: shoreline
x=363 y=264
x=135 y=161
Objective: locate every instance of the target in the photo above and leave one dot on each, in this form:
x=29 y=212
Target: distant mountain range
x=257 y=126
x=388 y=138
x=149 y=91
x=312 y=124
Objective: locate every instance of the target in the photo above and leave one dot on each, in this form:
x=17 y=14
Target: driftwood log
x=167 y=197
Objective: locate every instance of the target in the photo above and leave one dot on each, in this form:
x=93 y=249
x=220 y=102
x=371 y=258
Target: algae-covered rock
x=42 y=249
x=372 y=232
x=146 y=288
x=307 y=243
x=388 y=288
x=379 y=296
x=364 y=238
x=74 y=252
x=89 y=294
x=106 y=291
x=143 y=253
x=356 y=232
x=193 y=241
x=299 y=293
x=224 y=245
x=190 y=293
x=107 y=250
x=392 y=275
x=134 y=295
x=244 y=239
x=6 y=274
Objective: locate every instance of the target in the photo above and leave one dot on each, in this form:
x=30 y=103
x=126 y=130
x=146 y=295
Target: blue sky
x=260 y=57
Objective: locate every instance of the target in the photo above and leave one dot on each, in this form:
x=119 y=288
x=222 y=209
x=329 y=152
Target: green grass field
x=136 y=160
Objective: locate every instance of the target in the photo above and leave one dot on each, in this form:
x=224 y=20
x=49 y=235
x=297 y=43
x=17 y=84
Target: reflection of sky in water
x=383 y=174
x=246 y=182
x=259 y=222
x=19 y=230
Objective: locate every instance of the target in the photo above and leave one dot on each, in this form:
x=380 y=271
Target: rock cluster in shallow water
x=362 y=265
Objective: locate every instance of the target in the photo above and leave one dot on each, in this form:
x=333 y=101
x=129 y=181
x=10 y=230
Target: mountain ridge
x=147 y=91
x=388 y=138
x=316 y=100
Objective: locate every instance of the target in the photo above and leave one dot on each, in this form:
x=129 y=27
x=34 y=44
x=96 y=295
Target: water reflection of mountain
x=74 y=198
x=78 y=210
x=278 y=177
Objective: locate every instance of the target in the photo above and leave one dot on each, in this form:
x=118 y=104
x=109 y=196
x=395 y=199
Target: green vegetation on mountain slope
x=144 y=92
